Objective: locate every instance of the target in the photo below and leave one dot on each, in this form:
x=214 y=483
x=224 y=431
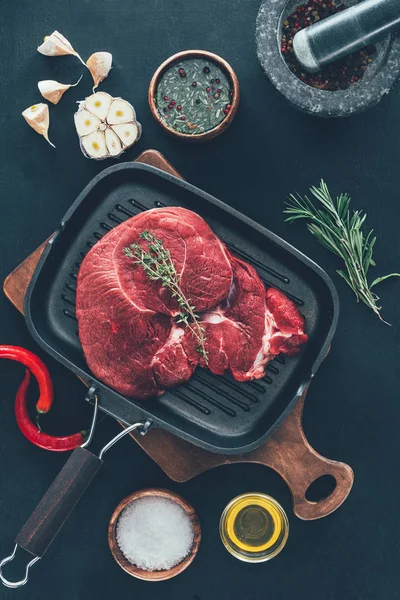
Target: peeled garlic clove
x=57 y=45
x=113 y=142
x=94 y=144
x=99 y=64
x=120 y=112
x=127 y=133
x=86 y=122
x=99 y=104
x=53 y=90
x=37 y=116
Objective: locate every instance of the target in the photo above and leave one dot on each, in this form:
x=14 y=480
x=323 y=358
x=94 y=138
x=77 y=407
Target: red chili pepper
x=39 y=370
x=32 y=432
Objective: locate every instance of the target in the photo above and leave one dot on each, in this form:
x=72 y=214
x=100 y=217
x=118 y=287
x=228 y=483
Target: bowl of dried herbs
x=194 y=95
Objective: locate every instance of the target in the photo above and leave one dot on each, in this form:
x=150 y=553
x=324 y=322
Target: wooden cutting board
x=287 y=451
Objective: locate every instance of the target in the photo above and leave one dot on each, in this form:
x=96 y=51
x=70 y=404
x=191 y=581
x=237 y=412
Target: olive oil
x=254 y=527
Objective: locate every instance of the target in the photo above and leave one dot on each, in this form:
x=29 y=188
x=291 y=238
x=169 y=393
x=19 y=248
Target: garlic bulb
x=99 y=64
x=53 y=90
x=106 y=126
x=57 y=45
x=37 y=116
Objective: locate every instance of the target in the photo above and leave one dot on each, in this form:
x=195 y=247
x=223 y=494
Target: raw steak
x=127 y=323
x=251 y=327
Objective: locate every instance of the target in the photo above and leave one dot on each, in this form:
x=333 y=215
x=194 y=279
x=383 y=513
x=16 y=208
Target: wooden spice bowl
x=224 y=66
x=133 y=569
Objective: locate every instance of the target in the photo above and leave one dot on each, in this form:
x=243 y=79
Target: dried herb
x=158 y=266
x=193 y=96
x=341 y=232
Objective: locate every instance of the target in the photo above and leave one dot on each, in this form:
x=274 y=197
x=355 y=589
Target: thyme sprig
x=341 y=232
x=158 y=266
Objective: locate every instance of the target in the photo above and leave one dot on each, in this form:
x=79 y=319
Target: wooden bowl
x=207 y=135
x=133 y=569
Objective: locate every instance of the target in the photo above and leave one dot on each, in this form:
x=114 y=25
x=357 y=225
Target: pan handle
x=58 y=502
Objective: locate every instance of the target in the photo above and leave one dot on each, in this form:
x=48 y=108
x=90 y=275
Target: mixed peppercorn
x=340 y=74
x=194 y=96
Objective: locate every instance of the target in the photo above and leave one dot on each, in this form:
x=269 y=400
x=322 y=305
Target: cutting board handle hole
x=321 y=488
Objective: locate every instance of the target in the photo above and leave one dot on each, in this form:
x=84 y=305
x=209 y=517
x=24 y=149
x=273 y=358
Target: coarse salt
x=154 y=533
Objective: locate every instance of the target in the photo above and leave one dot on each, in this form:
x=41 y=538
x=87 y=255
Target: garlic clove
x=86 y=122
x=53 y=90
x=113 y=142
x=37 y=116
x=99 y=104
x=120 y=112
x=99 y=64
x=127 y=133
x=57 y=45
x=94 y=144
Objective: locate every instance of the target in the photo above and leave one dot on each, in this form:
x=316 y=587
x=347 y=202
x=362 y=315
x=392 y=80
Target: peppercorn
x=194 y=84
x=337 y=76
x=179 y=107
x=206 y=70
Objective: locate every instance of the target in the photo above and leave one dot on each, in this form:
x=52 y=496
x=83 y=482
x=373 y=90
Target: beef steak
x=127 y=322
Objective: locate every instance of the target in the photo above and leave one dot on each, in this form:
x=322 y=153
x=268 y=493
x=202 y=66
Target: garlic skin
x=53 y=90
x=37 y=116
x=57 y=45
x=106 y=126
x=99 y=64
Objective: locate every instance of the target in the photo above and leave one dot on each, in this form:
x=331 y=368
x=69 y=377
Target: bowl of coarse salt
x=154 y=534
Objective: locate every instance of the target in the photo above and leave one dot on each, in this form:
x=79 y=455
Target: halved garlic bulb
x=53 y=90
x=99 y=64
x=57 y=45
x=106 y=126
x=37 y=116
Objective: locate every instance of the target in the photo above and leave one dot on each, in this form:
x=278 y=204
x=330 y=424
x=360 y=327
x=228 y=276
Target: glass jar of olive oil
x=254 y=527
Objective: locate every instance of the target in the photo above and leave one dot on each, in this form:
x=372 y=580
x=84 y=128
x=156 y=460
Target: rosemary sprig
x=341 y=232
x=158 y=266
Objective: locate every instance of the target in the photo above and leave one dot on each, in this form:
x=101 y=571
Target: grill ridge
x=259 y=264
x=200 y=407
x=213 y=388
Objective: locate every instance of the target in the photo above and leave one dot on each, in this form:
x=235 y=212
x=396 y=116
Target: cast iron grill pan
x=216 y=413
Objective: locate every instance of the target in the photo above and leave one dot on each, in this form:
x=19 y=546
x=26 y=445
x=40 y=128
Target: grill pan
x=216 y=413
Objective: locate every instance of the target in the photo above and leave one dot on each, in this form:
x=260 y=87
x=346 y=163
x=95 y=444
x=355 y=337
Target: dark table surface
x=352 y=412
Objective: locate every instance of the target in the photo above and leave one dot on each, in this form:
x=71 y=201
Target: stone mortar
x=378 y=80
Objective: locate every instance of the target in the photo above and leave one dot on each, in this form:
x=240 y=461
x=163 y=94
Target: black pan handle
x=58 y=502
